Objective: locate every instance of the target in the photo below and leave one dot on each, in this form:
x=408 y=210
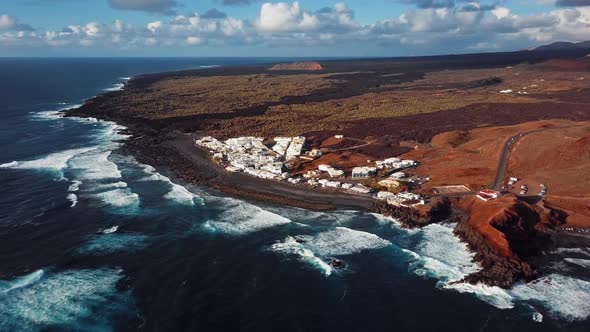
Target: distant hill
x=563 y=46
x=313 y=66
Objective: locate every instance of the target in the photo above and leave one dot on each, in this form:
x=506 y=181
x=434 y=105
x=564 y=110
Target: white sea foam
x=119 y=197
x=443 y=256
x=48 y=115
x=333 y=218
x=176 y=193
x=116 y=87
x=67 y=300
x=95 y=165
x=578 y=261
x=493 y=295
x=582 y=251
x=54 y=161
x=73 y=198
x=75 y=186
x=563 y=296
x=291 y=247
x=20 y=282
x=240 y=218
x=53 y=114
x=109 y=186
x=181 y=195
x=342 y=241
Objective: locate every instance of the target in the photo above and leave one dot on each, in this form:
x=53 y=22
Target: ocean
x=184 y=258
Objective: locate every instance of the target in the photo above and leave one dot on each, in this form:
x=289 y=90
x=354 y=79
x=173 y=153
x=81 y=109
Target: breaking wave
x=585 y=263
x=342 y=241
x=119 y=197
x=116 y=87
x=56 y=162
x=581 y=251
x=290 y=247
x=239 y=218
x=176 y=192
x=442 y=256
x=316 y=249
x=53 y=114
x=20 y=282
x=563 y=296
x=66 y=300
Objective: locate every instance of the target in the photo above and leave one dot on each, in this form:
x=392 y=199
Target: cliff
x=505 y=235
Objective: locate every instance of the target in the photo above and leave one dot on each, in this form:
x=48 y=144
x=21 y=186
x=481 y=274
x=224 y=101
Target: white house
x=362 y=172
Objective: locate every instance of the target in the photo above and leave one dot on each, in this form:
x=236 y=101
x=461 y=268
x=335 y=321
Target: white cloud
x=191 y=40
x=281 y=17
x=7 y=22
x=419 y=30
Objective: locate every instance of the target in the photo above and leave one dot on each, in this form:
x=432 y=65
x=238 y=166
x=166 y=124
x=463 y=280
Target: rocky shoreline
x=504 y=249
x=525 y=229
x=164 y=150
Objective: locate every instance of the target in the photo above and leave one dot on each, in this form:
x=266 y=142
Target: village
x=288 y=159
x=275 y=159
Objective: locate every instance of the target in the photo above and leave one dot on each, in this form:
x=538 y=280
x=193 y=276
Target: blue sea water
x=185 y=258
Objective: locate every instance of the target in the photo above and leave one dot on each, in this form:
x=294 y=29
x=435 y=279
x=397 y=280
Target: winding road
x=503 y=162
x=504 y=157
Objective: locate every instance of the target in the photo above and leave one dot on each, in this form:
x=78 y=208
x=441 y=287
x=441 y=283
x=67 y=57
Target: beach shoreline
x=166 y=141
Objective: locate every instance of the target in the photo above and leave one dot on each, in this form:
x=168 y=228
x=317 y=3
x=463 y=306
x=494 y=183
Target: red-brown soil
x=458 y=130
x=574 y=65
x=303 y=66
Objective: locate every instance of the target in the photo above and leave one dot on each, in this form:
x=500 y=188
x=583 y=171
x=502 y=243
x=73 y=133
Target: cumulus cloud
x=152 y=6
x=284 y=17
x=8 y=22
x=466 y=26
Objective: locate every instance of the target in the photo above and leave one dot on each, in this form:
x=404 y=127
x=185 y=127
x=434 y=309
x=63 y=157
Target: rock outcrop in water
x=504 y=234
x=414 y=218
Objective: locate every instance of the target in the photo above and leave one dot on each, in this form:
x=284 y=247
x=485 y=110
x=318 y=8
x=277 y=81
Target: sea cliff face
x=505 y=235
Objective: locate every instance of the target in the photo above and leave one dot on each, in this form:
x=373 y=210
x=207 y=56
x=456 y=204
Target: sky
x=244 y=28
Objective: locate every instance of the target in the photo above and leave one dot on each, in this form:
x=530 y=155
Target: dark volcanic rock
x=441 y=211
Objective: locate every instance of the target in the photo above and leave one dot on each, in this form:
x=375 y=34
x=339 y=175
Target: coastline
x=160 y=144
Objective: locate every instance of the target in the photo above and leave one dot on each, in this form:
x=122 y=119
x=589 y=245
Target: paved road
x=505 y=156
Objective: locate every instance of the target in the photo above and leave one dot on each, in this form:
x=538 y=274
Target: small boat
x=109 y=230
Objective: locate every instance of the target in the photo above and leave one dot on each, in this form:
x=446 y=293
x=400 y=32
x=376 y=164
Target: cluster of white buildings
x=363 y=172
x=289 y=147
x=251 y=156
x=395 y=163
x=246 y=154
x=405 y=199
x=355 y=188
x=332 y=172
